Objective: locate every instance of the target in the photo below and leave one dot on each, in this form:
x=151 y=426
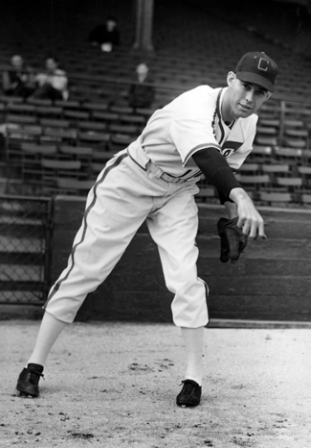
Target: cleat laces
x=34 y=377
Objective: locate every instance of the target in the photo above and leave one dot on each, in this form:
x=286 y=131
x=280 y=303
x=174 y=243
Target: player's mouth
x=245 y=108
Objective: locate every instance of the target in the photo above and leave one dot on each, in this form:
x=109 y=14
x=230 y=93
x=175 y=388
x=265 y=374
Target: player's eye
x=246 y=86
x=260 y=92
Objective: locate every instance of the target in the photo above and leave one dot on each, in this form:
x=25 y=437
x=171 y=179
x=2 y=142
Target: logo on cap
x=265 y=63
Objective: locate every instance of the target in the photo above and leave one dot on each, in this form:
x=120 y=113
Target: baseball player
x=204 y=131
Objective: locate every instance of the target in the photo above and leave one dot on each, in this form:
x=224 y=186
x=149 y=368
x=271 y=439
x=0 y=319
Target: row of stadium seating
x=41 y=164
x=280 y=123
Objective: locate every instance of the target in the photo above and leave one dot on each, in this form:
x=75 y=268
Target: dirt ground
x=114 y=385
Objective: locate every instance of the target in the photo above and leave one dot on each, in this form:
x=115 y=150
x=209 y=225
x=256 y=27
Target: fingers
x=253 y=228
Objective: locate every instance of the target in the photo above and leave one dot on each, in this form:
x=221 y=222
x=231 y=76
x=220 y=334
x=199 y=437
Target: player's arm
x=217 y=171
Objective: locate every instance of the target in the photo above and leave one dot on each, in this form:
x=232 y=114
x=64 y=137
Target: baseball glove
x=233 y=241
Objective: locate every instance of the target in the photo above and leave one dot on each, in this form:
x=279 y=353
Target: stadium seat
x=20 y=109
x=106 y=117
x=49 y=112
x=91 y=126
x=124 y=129
x=39 y=102
x=93 y=139
x=81 y=153
x=290 y=184
x=205 y=193
x=20 y=119
x=254 y=182
x=72 y=186
x=275 y=169
x=119 y=142
x=250 y=168
x=10 y=99
x=288 y=155
x=75 y=115
x=67 y=104
x=54 y=123
x=275 y=197
x=95 y=107
x=59 y=135
x=138 y=119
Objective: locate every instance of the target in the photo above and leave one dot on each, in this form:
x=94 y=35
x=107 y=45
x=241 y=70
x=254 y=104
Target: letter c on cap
x=263 y=64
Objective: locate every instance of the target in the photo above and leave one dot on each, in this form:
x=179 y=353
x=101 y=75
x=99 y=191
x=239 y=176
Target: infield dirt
x=114 y=385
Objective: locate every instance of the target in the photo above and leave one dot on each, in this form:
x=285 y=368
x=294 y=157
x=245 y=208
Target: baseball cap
x=258 y=68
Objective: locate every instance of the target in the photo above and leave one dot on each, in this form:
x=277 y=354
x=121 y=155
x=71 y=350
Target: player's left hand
x=233 y=240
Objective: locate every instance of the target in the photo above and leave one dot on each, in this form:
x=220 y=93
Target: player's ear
x=230 y=78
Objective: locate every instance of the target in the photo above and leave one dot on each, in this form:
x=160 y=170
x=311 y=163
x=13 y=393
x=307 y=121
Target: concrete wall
x=270 y=282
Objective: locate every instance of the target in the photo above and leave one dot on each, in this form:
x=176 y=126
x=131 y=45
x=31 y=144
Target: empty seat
x=18 y=108
x=119 y=142
x=249 y=168
x=207 y=192
x=73 y=187
x=275 y=168
x=98 y=107
x=91 y=126
x=49 y=111
x=39 y=102
x=254 y=181
x=123 y=129
x=76 y=115
x=273 y=197
x=21 y=119
x=54 y=123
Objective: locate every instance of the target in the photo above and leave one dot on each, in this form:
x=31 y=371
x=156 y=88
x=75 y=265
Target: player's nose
x=249 y=97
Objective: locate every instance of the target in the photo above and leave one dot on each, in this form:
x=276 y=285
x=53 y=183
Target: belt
x=158 y=172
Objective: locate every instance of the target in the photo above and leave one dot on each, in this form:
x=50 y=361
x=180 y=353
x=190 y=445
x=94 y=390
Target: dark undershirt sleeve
x=216 y=169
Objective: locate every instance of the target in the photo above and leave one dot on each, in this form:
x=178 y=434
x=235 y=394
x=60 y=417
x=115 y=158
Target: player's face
x=245 y=98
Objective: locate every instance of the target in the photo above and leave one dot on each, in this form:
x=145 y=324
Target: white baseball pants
x=122 y=198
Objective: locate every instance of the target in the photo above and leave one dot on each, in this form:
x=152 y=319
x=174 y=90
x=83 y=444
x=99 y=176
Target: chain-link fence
x=25 y=230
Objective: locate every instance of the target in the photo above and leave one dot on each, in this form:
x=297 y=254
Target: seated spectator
x=142 y=92
x=18 y=80
x=52 y=84
x=107 y=35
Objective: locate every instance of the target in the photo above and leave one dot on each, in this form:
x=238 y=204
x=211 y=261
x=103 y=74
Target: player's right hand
x=249 y=219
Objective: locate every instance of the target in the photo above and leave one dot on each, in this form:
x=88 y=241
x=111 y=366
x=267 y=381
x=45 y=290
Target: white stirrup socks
x=49 y=331
x=194 y=345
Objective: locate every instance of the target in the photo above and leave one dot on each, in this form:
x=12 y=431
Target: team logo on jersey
x=228 y=148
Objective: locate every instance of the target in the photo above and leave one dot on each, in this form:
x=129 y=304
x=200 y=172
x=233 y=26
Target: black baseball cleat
x=190 y=394
x=28 y=380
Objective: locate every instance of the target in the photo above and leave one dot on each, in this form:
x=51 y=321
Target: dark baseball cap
x=258 y=68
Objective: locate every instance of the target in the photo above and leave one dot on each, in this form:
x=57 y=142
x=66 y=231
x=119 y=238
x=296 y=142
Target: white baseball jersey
x=189 y=123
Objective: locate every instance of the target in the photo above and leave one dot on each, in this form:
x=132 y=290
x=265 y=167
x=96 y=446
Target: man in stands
x=142 y=92
x=107 y=35
x=52 y=84
x=18 y=80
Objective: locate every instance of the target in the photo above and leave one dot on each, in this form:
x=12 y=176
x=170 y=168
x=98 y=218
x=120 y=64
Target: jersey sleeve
x=192 y=129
